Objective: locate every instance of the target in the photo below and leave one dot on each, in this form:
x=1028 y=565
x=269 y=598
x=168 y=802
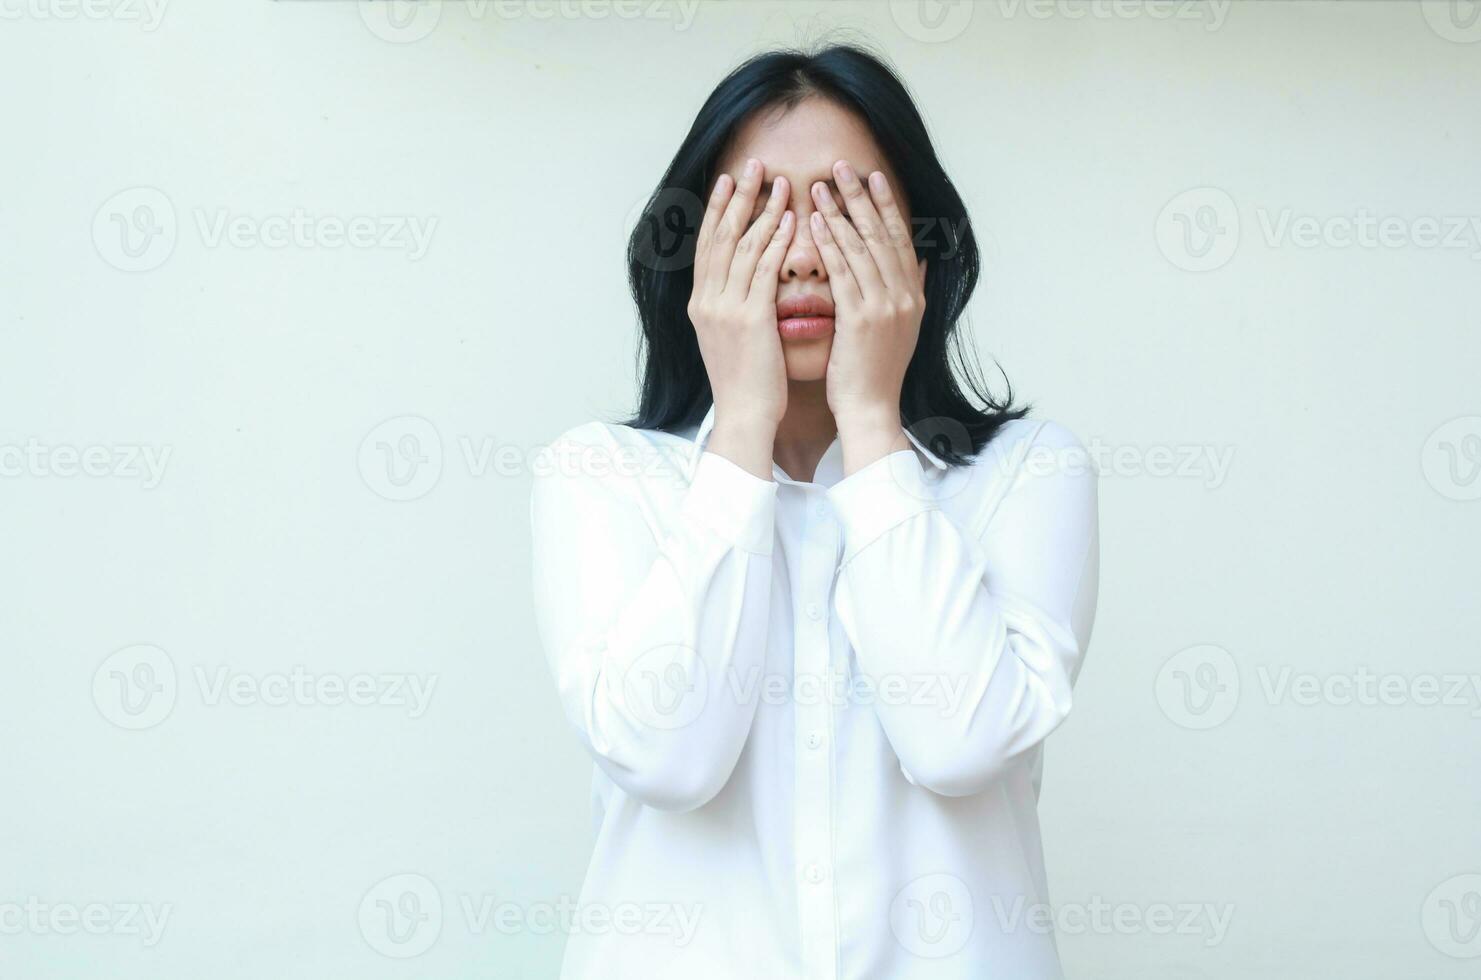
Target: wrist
x=868 y=421
x=744 y=426
x=746 y=440
x=867 y=437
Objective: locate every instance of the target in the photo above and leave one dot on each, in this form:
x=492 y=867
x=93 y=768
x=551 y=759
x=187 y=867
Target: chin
x=807 y=360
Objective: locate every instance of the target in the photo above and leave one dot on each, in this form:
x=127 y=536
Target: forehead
x=802 y=142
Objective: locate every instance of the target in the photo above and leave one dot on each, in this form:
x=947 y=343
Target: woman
x=814 y=658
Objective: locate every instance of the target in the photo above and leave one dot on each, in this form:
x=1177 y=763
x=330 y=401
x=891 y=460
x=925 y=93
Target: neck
x=806 y=430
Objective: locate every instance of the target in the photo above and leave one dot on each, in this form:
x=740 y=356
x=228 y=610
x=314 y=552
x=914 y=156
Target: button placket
x=813 y=716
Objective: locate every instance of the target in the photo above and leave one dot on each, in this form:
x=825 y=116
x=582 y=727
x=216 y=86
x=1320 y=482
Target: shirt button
x=815 y=873
x=814 y=740
x=819 y=509
x=814 y=611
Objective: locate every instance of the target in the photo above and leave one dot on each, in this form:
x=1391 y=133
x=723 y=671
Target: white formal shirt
x=817 y=709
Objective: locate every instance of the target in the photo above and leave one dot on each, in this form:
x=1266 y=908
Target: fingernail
x=876 y=181
x=845 y=171
x=752 y=165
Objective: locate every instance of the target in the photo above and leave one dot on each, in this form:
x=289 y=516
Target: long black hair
x=937 y=399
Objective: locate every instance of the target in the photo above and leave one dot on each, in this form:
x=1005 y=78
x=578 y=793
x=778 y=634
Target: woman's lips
x=805 y=327
x=804 y=317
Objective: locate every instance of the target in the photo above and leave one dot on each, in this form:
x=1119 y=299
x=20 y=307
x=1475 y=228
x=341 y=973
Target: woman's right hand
x=733 y=309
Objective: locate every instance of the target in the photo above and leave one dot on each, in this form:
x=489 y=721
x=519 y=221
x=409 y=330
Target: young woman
x=815 y=609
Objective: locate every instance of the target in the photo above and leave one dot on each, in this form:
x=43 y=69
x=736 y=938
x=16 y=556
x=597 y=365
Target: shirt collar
x=702 y=435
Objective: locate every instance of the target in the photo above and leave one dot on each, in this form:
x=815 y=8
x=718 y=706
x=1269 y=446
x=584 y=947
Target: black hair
x=936 y=400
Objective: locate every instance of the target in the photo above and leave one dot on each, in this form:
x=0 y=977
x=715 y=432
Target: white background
x=1326 y=370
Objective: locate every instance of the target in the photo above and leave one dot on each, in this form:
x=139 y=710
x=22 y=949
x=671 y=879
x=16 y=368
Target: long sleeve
x=651 y=599
x=994 y=619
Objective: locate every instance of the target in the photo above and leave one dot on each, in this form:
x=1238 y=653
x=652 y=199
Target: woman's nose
x=803 y=260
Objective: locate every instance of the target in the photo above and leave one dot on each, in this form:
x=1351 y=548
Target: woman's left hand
x=879 y=298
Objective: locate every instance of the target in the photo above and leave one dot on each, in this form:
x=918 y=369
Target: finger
x=765 y=281
x=733 y=224
x=896 y=227
x=846 y=239
x=748 y=250
x=870 y=227
x=841 y=279
x=719 y=197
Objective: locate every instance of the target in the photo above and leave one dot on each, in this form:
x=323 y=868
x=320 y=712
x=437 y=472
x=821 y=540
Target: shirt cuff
x=887 y=492
x=734 y=504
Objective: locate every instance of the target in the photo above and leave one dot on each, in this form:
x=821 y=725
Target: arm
x=999 y=616
x=996 y=622
x=647 y=635
x=655 y=635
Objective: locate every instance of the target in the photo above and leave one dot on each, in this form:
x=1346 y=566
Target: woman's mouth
x=804 y=318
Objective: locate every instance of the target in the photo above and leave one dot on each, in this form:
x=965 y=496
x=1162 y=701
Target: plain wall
x=1170 y=201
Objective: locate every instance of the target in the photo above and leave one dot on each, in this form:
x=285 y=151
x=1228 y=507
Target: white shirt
x=817 y=710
